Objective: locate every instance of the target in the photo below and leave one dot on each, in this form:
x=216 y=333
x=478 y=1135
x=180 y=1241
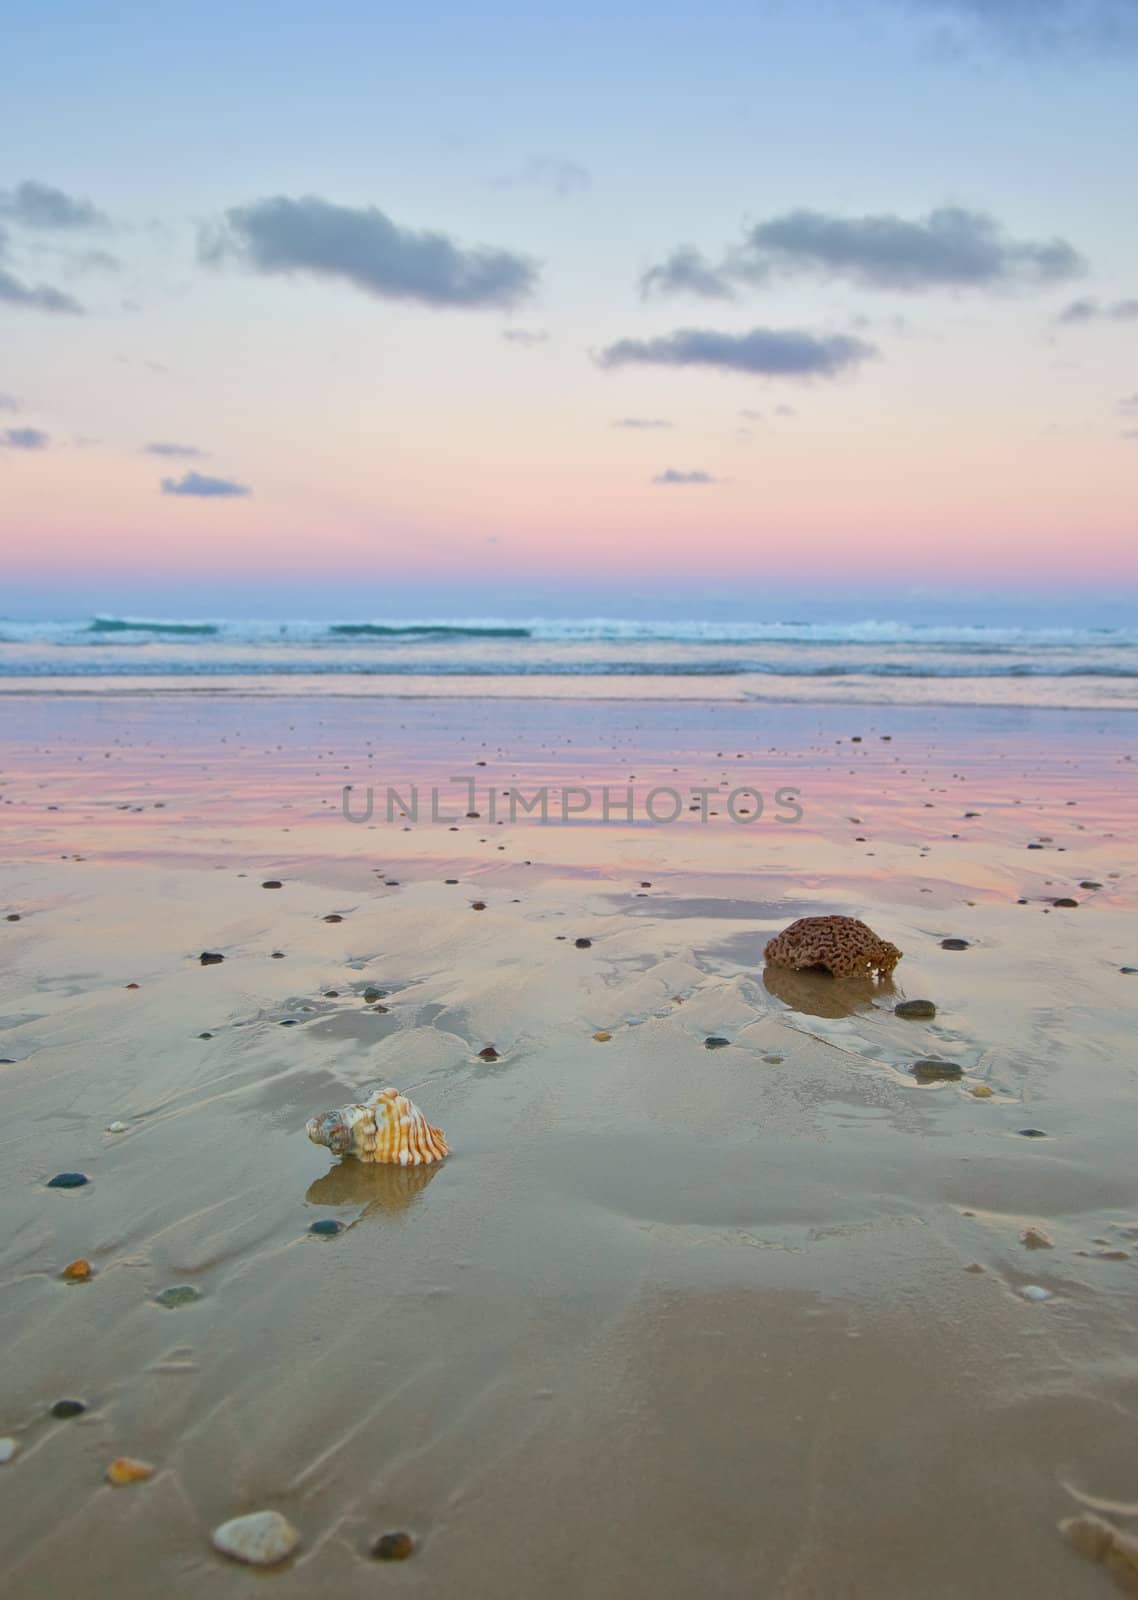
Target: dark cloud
x=641 y=422
x=769 y=352
x=203 y=488
x=687 y=271
x=524 y=336
x=950 y=248
x=161 y=447
x=1092 y=310
x=671 y=477
x=35 y=297
x=561 y=178
x=363 y=247
x=38 y=205
x=24 y=439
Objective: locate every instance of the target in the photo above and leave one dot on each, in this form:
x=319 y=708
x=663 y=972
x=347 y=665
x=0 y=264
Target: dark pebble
x=1031 y=1133
x=478 y=905
x=930 y=1070
x=13 y=916
x=272 y=883
x=915 y=1010
x=1088 y=884
x=450 y=880
x=1129 y=971
x=68 y=1408
x=645 y=885
x=210 y=958
x=327 y=1228
x=205 y=1035
x=278 y=955
x=331 y=994
x=488 y=1053
x=1035 y=847
x=393 y=1547
x=132 y=986
x=289 y=1022
x=714 y=1042
x=1065 y=904
x=68 y=1180
x=582 y=944
x=180 y=1294
x=954 y=944
x=335 y=917
x=372 y=995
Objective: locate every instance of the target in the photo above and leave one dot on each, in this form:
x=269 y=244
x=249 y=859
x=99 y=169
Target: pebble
x=272 y=883
x=602 y=1037
x=77 y=1271
x=372 y=995
x=68 y=1408
x=13 y=916
x=205 y=1035
x=954 y=944
x=124 y=1469
x=8 y=1448
x=393 y=1547
x=68 y=1180
x=132 y=986
x=930 y=1070
x=1065 y=904
x=714 y=1042
x=1089 y=883
x=261 y=1539
x=210 y=958
x=915 y=1010
x=181 y=1294
x=1036 y=1239
x=478 y=905
x=583 y=944
x=1129 y=971
x=278 y=955
x=334 y=917
x=1031 y=1133
x=488 y=1053
x=116 y=1127
x=1035 y=847
x=326 y=1228
x=982 y=1092
x=1035 y=1291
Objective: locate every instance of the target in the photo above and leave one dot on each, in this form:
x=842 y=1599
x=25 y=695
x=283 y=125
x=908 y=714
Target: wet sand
x=670 y=1320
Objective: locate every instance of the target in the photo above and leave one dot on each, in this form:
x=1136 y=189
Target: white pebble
x=1034 y=1291
x=261 y=1539
x=8 y=1448
x=116 y=1127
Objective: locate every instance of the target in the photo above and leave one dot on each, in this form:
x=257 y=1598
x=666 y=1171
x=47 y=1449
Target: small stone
x=1129 y=971
x=930 y=1070
x=1035 y=1239
x=372 y=995
x=974 y=1266
x=331 y=994
x=13 y=916
x=393 y=1547
x=326 y=1228
x=68 y=1408
x=68 y=1180
x=582 y=944
x=116 y=1127
x=272 y=883
x=1031 y=1133
x=602 y=1037
x=478 y=905
x=8 y=1448
x=982 y=1092
x=488 y=1053
x=1066 y=904
x=262 y=1539
x=124 y=1469
x=132 y=985
x=205 y=1035
x=77 y=1271
x=210 y=958
x=1035 y=847
x=954 y=944
x=1035 y=1291
x=333 y=917
x=278 y=955
x=645 y=884
x=181 y=1294
x=714 y=1042
x=915 y=1010
x=1089 y=883
x=773 y=1061
x=289 y=1022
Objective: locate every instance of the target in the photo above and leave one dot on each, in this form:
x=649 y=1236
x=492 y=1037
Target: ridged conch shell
x=387 y=1127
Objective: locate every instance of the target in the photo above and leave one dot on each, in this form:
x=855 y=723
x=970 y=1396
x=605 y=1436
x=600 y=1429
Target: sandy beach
x=670 y=1319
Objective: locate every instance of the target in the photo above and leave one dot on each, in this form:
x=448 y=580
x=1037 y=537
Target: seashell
x=125 y=1469
x=386 y=1128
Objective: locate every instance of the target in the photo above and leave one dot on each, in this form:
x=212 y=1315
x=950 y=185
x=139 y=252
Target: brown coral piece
x=843 y=945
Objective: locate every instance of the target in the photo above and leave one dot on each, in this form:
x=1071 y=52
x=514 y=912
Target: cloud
x=1080 y=25
x=8 y=402
x=950 y=248
x=95 y=261
x=524 y=336
x=687 y=271
x=361 y=246
x=769 y=352
x=203 y=488
x=37 y=297
x=24 y=439
x=641 y=422
x=564 y=179
x=1093 y=310
x=671 y=477
x=161 y=447
x=1129 y=405
x=38 y=205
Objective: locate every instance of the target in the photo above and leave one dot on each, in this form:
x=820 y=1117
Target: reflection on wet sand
x=816 y=993
x=375 y=1187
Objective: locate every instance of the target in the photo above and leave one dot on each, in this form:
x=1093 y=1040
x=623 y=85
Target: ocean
x=890 y=660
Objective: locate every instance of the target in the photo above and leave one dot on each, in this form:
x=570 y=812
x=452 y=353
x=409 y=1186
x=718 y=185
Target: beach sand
x=670 y=1320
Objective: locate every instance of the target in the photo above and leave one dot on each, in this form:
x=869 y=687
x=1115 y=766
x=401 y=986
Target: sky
x=364 y=310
